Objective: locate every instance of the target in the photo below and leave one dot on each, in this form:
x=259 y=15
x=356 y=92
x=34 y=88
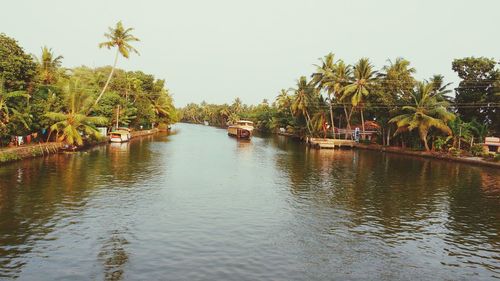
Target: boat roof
x=120 y=132
x=245 y=121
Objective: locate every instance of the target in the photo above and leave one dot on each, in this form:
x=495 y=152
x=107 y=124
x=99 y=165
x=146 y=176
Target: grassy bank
x=43 y=149
x=29 y=151
x=430 y=154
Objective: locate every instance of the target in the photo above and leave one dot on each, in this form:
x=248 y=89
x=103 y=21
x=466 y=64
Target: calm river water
x=199 y=205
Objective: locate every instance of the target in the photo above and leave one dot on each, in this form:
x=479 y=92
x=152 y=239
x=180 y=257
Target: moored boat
x=120 y=135
x=242 y=129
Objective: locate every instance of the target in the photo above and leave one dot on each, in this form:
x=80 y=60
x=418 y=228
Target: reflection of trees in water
x=451 y=210
x=36 y=194
x=474 y=217
x=391 y=194
x=113 y=256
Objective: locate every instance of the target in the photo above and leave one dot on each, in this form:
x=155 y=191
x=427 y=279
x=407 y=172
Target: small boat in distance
x=242 y=129
x=120 y=135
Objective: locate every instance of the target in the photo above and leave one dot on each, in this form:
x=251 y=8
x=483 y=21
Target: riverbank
x=11 y=154
x=29 y=151
x=429 y=154
x=403 y=151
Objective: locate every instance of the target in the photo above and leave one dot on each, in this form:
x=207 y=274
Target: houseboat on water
x=120 y=135
x=242 y=129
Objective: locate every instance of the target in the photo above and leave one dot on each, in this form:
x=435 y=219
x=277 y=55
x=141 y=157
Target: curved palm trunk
x=107 y=81
x=348 y=120
x=308 y=121
x=423 y=136
x=362 y=122
x=331 y=119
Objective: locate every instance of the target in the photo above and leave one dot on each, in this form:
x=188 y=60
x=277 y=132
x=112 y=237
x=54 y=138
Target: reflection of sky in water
x=202 y=205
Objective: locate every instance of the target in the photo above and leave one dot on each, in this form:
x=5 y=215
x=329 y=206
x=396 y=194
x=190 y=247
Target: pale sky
x=221 y=49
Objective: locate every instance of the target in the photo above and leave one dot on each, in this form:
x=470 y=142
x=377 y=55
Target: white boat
x=120 y=135
x=206 y=123
x=242 y=129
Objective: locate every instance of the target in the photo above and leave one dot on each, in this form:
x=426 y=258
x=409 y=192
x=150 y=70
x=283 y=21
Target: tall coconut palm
x=48 y=64
x=427 y=113
x=119 y=38
x=302 y=102
x=73 y=122
x=319 y=119
x=398 y=76
x=342 y=77
x=284 y=102
x=236 y=107
x=324 y=79
x=364 y=77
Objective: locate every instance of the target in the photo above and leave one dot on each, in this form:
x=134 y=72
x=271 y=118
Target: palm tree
x=48 y=64
x=73 y=122
x=162 y=106
x=324 y=79
x=364 y=76
x=440 y=89
x=284 y=101
x=5 y=109
x=236 y=107
x=304 y=94
x=224 y=114
x=427 y=113
x=398 y=77
x=319 y=120
x=120 y=38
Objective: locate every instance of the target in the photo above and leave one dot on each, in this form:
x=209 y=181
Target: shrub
x=8 y=156
x=497 y=157
x=454 y=152
x=441 y=142
x=476 y=150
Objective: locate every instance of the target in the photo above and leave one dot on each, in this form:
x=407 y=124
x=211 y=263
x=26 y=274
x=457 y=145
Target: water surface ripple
x=198 y=205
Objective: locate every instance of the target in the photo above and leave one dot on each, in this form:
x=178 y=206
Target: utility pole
x=459 y=135
x=117 y=116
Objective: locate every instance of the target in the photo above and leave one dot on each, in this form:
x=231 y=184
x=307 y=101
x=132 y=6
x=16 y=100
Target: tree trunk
x=362 y=123
x=348 y=120
x=388 y=143
x=107 y=81
x=423 y=136
x=308 y=120
x=331 y=118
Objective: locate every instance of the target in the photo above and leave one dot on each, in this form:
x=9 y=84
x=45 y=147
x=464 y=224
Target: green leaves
x=120 y=37
x=427 y=113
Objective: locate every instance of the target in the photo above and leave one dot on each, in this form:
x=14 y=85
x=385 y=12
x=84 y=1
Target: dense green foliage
x=407 y=112
x=480 y=85
x=16 y=67
x=40 y=97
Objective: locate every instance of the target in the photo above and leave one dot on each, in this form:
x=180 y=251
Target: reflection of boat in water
x=120 y=135
x=119 y=146
x=242 y=129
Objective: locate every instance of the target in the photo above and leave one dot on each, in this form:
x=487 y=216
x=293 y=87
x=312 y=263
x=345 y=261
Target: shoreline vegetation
x=46 y=104
x=12 y=154
x=386 y=107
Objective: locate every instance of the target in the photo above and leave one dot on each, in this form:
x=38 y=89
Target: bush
x=454 y=152
x=8 y=156
x=441 y=142
x=497 y=157
x=476 y=150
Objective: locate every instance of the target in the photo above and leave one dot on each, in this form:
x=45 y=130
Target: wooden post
x=117 y=116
